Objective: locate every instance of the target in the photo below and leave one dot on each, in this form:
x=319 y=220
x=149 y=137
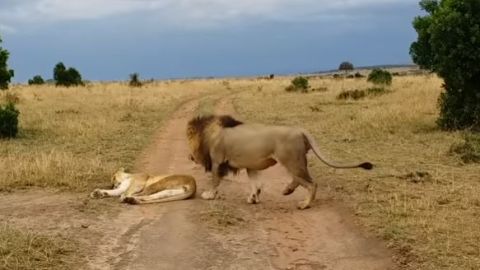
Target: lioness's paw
x=303 y=205
x=130 y=200
x=97 y=194
x=209 y=195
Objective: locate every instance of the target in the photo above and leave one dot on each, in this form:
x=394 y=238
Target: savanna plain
x=421 y=199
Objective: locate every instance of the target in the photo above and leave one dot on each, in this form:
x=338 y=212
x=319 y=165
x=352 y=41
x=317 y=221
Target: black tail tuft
x=366 y=165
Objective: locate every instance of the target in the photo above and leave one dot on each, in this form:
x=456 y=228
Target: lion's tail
x=312 y=145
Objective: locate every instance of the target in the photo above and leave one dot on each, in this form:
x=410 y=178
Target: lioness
x=140 y=188
x=222 y=144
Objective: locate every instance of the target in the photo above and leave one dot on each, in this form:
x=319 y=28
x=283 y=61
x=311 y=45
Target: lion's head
x=118 y=177
x=200 y=131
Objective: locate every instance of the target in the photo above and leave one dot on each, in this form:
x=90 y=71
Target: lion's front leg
x=211 y=193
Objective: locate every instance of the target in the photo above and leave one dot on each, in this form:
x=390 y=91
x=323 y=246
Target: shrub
x=36 y=80
x=448 y=43
x=271 y=77
x=376 y=91
x=135 y=80
x=8 y=121
x=320 y=89
x=469 y=150
x=352 y=94
x=359 y=75
x=380 y=76
x=359 y=94
x=66 y=77
x=5 y=73
x=298 y=84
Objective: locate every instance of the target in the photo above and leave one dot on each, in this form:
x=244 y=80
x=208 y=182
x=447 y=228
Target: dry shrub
x=469 y=149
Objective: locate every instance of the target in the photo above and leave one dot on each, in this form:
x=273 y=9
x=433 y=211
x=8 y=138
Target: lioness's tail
x=310 y=142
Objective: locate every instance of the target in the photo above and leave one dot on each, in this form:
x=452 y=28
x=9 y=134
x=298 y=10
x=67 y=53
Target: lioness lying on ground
x=140 y=188
x=222 y=144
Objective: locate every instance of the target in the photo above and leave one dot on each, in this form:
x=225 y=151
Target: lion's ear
x=122 y=169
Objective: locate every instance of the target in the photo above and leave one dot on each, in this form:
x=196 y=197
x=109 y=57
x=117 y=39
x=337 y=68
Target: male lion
x=142 y=188
x=222 y=144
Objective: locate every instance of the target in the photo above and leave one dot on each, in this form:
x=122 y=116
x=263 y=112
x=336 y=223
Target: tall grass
x=421 y=199
x=75 y=138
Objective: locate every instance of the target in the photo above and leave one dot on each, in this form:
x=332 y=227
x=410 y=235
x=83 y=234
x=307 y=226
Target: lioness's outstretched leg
x=100 y=193
x=255 y=189
x=161 y=196
x=211 y=193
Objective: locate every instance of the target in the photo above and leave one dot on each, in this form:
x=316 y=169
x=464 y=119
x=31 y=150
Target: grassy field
x=27 y=250
x=73 y=139
x=423 y=200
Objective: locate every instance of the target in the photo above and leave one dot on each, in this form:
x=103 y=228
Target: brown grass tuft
x=25 y=250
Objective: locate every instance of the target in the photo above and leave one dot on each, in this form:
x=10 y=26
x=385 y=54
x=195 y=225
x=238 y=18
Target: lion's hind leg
x=161 y=196
x=255 y=187
x=297 y=166
x=307 y=183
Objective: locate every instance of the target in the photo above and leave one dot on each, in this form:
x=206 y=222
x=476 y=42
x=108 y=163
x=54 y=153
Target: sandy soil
x=226 y=233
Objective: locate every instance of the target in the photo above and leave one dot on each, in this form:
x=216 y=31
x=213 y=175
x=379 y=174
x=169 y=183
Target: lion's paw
x=253 y=199
x=130 y=200
x=209 y=195
x=288 y=190
x=303 y=205
x=97 y=194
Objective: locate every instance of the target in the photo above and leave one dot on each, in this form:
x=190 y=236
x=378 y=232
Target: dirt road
x=226 y=233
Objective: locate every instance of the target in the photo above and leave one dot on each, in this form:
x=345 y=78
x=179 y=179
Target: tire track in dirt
x=178 y=236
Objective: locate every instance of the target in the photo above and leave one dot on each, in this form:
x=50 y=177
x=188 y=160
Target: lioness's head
x=200 y=131
x=118 y=177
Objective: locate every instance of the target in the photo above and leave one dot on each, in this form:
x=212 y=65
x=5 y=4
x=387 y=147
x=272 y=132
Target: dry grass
x=26 y=251
x=75 y=138
x=421 y=199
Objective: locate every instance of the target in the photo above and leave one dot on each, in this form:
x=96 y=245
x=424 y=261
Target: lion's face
x=118 y=177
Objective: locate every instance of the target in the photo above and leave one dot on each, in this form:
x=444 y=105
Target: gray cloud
x=198 y=13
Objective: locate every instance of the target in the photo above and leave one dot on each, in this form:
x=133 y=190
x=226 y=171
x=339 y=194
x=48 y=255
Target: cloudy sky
x=109 y=39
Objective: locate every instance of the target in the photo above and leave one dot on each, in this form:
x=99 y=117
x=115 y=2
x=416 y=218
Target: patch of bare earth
x=226 y=233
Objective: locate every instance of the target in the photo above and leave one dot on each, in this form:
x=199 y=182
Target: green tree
x=66 y=77
x=135 y=80
x=8 y=120
x=5 y=73
x=37 y=79
x=449 y=44
x=345 y=66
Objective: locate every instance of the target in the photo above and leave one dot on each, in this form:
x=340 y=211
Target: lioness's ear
x=122 y=169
